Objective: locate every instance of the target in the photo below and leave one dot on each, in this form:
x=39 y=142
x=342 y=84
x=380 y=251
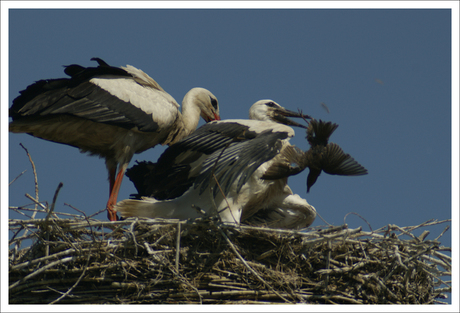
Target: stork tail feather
x=141 y=208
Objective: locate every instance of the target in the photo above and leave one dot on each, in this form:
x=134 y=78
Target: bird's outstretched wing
x=238 y=161
x=337 y=162
x=231 y=151
x=179 y=165
x=86 y=95
x=291 y=162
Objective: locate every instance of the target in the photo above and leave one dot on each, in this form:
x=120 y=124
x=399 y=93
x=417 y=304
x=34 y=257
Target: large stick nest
x=139 y=261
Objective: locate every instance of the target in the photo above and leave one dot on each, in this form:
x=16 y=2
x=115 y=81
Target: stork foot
x=111 y=214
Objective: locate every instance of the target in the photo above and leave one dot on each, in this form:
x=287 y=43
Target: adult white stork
x=236 y=154
x=110 y=112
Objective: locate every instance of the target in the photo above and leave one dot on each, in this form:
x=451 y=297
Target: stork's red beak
x=209 y=119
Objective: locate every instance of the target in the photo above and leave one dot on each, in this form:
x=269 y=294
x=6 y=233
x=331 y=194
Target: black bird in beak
x=327 y=157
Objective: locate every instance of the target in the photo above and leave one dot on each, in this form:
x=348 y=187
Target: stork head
x=206 y=102
x=269 y=110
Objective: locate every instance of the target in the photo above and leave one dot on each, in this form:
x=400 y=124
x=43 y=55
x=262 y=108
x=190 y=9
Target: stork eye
x=214 y=103
x=271 y=104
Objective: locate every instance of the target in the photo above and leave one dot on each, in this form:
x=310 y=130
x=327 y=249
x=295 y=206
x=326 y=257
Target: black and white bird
x=111 y=112
x=220 y=168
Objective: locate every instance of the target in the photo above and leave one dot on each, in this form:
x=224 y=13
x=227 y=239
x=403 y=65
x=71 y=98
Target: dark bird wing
x=327 y=157
x=179 y=165
x=238 y=161
x=79 y=96
x=337 y=162
x=291 y=163
x=228 y=150
x=205 y=140
x=332 y=160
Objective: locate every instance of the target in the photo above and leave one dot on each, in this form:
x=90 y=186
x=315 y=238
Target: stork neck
x=190 y=113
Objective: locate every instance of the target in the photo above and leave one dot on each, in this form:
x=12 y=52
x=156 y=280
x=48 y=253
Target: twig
x=86 y=219
x=17 y=177
x=41 y=270
x=445 y=229
x=185 y=280
x=54 y=201
x=17 y=210
x=249 y=267
x=382 y=285
x=323 y=219
x=226 y=201
x=36 y=203
x=46 y=258
x=98 y=212
x=48 y=230
x=354 y=213
x=445 y=258
x=328 y=263
x=34 y=170
x=35 y=181
x=412 y=228
x=364 y=251
x=178 y=247
x=131 y=232
x=76 y=283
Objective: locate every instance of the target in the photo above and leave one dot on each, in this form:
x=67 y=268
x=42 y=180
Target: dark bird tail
x=318 y=132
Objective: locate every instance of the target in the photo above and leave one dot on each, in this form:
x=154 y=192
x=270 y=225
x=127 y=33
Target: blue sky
x=385 y=76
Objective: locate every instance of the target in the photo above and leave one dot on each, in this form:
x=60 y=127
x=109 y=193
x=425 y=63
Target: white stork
x=250 y=159
x=236 y=153
x=110 y=112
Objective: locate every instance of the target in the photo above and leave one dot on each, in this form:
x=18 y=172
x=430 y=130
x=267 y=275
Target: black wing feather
x=231 y=152
x=170 y=177
x=205 y=140
x=239 y=161
x=77 y=96
x=337 y=162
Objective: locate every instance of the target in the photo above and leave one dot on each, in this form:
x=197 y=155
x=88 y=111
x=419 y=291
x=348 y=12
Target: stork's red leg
x=112 y=173
x=112 y=215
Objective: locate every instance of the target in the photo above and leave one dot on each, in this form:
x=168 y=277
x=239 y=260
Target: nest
x=80 y=260
x=75 y=259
